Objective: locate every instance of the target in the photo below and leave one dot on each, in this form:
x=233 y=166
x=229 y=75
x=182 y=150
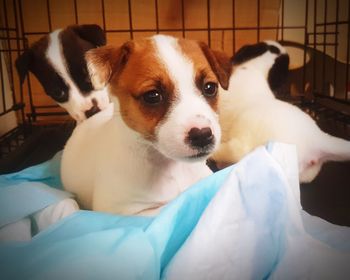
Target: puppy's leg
x=22 y=230
x=327 y=148
x=230 y=152
x=334 y=149
x=54 y=213
x=309 y=171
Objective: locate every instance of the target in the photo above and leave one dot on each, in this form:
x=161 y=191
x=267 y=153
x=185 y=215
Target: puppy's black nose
x=93 y=110
x=200 y=137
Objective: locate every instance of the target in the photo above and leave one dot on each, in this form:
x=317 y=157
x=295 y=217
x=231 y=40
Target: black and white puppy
x=58 y=61
x=250 y=115
x=269 y=57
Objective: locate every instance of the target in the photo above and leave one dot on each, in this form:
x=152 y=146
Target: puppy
x=57 y=61
x=153 y=142
x=250 y=116
x=269 y=57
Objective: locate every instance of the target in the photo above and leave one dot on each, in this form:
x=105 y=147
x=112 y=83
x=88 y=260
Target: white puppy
x=153 y=142
x=250 y=116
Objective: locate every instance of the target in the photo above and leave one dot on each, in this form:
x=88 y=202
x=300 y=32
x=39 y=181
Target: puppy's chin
x=183 y=152
x=198 y=156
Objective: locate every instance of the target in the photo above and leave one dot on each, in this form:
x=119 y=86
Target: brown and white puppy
x=58 y=61
x=153 y=142
x=250 y=116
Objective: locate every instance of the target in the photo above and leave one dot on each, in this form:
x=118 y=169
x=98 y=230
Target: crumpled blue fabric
x=92 y=245
x=47 y=173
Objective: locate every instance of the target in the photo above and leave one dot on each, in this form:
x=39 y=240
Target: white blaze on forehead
x=181 y=70
x=56 y=58
x=179 y=67
x=190 y=108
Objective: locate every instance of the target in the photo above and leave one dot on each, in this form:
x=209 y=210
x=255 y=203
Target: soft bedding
x=244 y=222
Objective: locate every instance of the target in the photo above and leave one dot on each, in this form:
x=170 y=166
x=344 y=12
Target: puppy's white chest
x=133 y=185
x=177 y=178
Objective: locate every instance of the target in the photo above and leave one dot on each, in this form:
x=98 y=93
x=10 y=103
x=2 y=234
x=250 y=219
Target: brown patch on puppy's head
x=138 y=79
x=145 y=84
x=204 y=73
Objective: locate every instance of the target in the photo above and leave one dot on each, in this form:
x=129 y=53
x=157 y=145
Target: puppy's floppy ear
x=279 y=71
x=105 y=62
x=249 y=52
x=220 y=64
x=91 y=33
x=23 y=64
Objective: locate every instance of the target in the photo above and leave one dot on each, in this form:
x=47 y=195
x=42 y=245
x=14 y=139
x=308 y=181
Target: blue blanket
x=242 y=222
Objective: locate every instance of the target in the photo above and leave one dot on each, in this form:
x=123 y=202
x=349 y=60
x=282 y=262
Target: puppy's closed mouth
x=202 y=153
x=93 y=110
x=199 y=155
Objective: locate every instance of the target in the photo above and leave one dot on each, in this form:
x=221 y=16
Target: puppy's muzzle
x=93 y=110
x=200 y=138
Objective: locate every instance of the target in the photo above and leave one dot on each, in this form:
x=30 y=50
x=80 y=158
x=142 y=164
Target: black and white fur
x=269 y=57
x=250 y=116
x=58 y=61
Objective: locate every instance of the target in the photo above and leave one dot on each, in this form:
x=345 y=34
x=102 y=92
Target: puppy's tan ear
x=105 y=62
x=220 y=64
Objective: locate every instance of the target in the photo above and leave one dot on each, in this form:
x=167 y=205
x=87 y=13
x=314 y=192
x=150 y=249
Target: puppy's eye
x=58 y=93
x=152 y=97
x=210 y=89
